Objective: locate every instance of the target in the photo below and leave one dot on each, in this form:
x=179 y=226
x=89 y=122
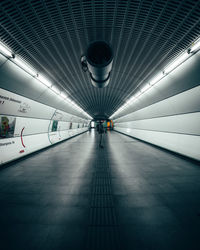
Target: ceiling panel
x=144 y=35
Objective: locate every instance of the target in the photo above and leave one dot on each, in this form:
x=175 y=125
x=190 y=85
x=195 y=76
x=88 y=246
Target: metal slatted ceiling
x=144 y=35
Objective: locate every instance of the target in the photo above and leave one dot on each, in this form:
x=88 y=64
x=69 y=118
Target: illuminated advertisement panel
x=7 y=126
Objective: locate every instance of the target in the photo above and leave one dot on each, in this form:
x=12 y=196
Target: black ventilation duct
x=99 y=58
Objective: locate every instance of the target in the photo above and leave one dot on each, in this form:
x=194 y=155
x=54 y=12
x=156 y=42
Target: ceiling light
x=75 y=105
x=67 y=100
x=24 y=66
x=55 y=89
x=137 y=94
x=157 y=78
x=195 y=47
x=63 y=95
x=60 y=97
x=145 y=88
x=5 y=51
x=177 y=62
x=131 y=100
x=44 y=81
x=72 y=102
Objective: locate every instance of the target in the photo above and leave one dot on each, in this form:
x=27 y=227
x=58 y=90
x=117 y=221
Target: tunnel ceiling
x=145 y=36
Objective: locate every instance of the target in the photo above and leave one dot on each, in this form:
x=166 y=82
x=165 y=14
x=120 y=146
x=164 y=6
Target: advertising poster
x=54 y=126
x=17 y=105
x=7 y=126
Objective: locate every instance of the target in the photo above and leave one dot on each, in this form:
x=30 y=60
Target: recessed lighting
x=44 y=80
x=24 y=66
x=176 y=63
x=4 y=50
x=55 y=89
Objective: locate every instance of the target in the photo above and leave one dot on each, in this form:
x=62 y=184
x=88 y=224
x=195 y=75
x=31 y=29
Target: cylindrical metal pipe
x=99 y=58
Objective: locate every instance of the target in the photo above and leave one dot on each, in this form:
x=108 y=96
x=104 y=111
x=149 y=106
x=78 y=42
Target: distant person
x=89 y=129
x=100 y=130
x=97 y=127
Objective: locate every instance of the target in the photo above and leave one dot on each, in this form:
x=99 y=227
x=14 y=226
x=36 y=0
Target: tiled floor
x=128 y=195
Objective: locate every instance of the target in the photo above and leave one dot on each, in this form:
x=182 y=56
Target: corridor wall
x=168 y=115
x=32 y=116
x=27 y=126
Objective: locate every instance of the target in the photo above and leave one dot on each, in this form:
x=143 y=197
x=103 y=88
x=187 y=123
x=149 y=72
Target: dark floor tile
x=182 y=199
x=156 y=237
x=103 y=238
x=138 y=200
x=188 y=215
x=128 y=195
x=18 y=214
x=67 y=200
x=23 y=236
x=71 y=216
x=146 y=216
x=22 y=199
x=65 y=237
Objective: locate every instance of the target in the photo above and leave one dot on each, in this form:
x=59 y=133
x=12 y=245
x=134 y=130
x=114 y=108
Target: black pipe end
x=99 y=54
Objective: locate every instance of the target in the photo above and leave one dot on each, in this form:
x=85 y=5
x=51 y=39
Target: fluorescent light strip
x=138 y=94
x=176 y=63
x=55 y=89
x=131 y=100
x=43 y=80
x=60 y=97
x=195 y=46
x=67 y=100
x=4 y=50
x=181 y=59
x=75 y=106
x=156 y=78
x=145 y=88
x=24 y=66
x=63 y=95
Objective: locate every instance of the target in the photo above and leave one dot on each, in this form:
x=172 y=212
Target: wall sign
x=7 y=126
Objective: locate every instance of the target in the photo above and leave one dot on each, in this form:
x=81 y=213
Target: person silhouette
x=100 y=129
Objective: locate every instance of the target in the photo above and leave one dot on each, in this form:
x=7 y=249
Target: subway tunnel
x=100 y=125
